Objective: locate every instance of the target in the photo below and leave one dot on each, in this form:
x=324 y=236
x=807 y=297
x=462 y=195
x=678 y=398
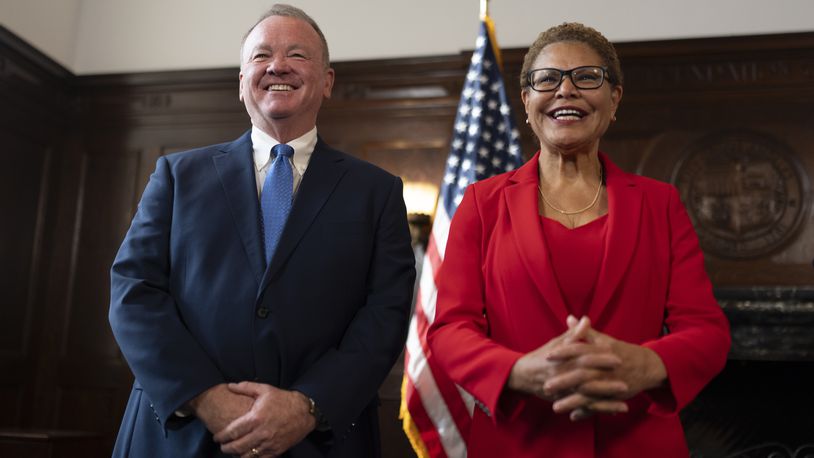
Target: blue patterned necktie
x=275 y=199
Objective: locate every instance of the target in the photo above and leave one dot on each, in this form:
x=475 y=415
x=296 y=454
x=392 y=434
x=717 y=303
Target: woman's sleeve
x=695 y=348
x=459 y=336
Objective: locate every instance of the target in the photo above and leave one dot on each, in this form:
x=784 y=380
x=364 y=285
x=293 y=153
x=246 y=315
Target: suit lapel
x=624 y=215
x=323 y=173
x=235 y=169
x=521 y=201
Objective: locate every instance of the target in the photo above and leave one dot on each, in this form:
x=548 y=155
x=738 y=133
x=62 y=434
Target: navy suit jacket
x=193 y=304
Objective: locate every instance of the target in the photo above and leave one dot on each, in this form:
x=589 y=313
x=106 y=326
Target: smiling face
x=283 y=77
x=570 y=119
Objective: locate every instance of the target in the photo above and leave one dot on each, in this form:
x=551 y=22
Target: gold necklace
x=576 y=212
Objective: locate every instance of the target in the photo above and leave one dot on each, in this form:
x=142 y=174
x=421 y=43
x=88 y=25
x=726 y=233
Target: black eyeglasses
x=549 y=79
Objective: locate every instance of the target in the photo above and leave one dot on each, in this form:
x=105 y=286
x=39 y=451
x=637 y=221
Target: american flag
x=436 y=413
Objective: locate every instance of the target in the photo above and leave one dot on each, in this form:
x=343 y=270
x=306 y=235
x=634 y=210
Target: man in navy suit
x=241 y=349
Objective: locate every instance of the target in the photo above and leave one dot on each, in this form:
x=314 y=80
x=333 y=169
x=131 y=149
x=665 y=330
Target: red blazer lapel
x=527 y=231
x=624 y=215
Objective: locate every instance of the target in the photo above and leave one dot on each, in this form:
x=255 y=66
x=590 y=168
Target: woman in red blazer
x=570 y=235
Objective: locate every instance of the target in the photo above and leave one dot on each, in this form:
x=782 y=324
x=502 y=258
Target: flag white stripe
x=440 y=230
x=428 y=290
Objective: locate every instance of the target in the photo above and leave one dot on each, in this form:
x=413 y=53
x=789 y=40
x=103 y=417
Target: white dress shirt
x=262 y=144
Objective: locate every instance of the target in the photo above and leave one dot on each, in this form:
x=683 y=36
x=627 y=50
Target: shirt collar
x=262 y=143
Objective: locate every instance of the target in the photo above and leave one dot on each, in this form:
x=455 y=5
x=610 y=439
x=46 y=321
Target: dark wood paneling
x=106 y=197
x=21 y=186
x=754 y=409
x=11 y=396
x=704 y=96
x=82 y=149
x=50 y=444
x=34 y=118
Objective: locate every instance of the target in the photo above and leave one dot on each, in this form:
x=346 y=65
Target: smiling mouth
x=280 y=87
x=567 y=114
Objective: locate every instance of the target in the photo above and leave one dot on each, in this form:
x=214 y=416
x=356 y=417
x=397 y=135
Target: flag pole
x=490 y=27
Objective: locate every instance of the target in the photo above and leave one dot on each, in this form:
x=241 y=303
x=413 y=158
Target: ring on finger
x=255 y=452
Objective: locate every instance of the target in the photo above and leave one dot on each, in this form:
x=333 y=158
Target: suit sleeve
x=695 y=348
x=458 y=337
x=166 y=360
x=346 y=378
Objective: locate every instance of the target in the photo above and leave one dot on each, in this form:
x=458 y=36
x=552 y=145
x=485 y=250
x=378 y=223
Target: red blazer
x=498 y=299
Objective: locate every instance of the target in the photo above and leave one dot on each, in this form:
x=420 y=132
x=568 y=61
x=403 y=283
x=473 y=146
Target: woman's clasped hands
x=584 y=372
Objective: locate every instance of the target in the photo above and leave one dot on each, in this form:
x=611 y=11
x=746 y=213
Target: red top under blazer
x=498 y=299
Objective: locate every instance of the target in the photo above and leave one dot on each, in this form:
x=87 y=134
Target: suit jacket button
x=262 y=312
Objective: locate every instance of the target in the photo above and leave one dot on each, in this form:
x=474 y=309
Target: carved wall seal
x=745 y=192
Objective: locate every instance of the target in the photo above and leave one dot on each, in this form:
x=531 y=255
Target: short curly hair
x=576 y=32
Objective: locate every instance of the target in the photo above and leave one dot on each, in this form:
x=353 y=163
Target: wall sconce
x=420 y=199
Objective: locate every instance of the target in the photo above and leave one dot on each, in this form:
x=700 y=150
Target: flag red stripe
x=435 y=260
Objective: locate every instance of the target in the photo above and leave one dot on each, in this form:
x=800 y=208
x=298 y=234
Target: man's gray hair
x=281 y=9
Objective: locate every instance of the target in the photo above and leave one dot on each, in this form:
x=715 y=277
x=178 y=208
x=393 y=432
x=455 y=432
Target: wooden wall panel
x=11 y=395
x=746 y=100
x=35 y=101
x=21 y=192
x=106 y=196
